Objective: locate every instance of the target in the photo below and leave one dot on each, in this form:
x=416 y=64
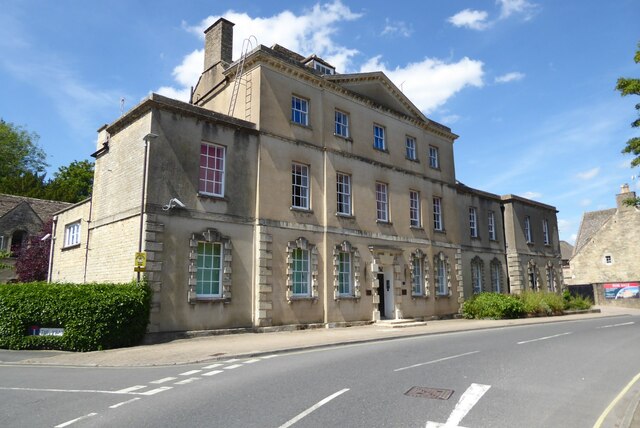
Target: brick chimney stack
x=218 y=43
x=625 y=193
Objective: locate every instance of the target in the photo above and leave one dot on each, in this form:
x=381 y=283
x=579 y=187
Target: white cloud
x=449 y=119
x=431 y=82
x=587 y=175
x=532 y=195
x=520 y=7
x=585 y=202
x=310 y=32
x=510 y=77
x=397 y=27
x=474 y=19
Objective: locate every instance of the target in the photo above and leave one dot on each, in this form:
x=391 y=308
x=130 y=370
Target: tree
x=71 y=183
x=20 y=155
x=631 y=86
x=32 y=262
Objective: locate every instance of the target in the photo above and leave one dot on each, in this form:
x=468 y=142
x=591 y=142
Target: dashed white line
x=436 y=361
x=130 y=389
x=617 y=325
x=212 y=366
x=254 y=360
x=186 y=381
x=232 y=360
x=115 y=406
x=213 y=372
x=312 y=408
x=73 y=421
x=154 y=391
x=190 y=372
x=163 y=380
x=543 y=338
x=232 y=366
x=266 y=357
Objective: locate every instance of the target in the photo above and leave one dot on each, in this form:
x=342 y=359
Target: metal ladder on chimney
x=247 y=45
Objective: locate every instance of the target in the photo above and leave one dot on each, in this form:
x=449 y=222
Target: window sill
x=417 y=228
x=200 y=299
x=71 y=247
x=442 y=231
x=301 y=125
x=436 y=168
x=377 y=149
x=213 y=197
x=342 y=137
x=384 y=222
x=441 y=296
x=301 y=210
x=302 y=299
x=476 y=238
x=347 y=297
x=346 y=216
x=414 y=160
x=418 y=296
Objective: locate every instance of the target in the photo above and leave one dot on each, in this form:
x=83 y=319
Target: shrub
x=94 y=316
x=493 y=306
x=542 y=303
x=576 y=302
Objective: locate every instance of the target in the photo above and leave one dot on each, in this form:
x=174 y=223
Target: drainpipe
x=86 y=250
x=146 y=139
x=504 y=239
x=51 y=247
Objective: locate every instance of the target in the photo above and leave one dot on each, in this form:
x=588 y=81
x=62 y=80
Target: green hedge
x=493 y=306
x=94 y=316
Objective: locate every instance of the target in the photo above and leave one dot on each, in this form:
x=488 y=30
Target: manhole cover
x=435 y=393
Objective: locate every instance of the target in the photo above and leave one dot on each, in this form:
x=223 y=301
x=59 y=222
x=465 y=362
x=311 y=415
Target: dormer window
x=319 y=65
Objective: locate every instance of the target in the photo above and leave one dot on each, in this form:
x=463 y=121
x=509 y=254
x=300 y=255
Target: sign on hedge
x=45 y=331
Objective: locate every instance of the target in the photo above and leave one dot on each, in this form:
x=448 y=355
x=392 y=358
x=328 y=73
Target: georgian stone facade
x=306 y=197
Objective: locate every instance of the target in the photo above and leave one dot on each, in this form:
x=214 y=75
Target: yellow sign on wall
x=140 y=262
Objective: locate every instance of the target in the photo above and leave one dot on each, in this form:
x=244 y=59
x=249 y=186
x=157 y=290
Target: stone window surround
x=211 y=236
x=346 y=247
x=532 y=268
x=303 y=244
x=551 y=275
x=426 y=289
x=437 y=258
x=72 y=234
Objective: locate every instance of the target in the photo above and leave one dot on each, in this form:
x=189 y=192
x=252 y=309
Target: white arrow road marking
x=543 y=338
x=312 y=408
x=466 y=402
x=436 y=361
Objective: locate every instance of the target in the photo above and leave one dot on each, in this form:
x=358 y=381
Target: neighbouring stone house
x=606 y=253
x=285 y=193
x=20 y=218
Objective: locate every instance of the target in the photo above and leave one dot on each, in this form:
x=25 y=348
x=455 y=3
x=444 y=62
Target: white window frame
x=341 y=127
x=343 y=194
x=300 y=195
x=72 y=234
x=476 y=275
x=527 y=230
x=382 y=202
x=379 y=140
x=437 y=214
x=410 y=146
x=215 y=270
x=473 y=222
x=441 y=274
x=301 y=278
x=417 y=276
x=414 y=209
x=545 y=231
x=434 y=157
x=492 y=225
x=299 y=110
x=212 y=169
x=345 y=274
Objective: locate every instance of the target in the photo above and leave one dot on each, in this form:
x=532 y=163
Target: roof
x=42 y=207
x=566 y=250
x=592 y=221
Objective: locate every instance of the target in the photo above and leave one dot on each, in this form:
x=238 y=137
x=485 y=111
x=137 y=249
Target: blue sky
x=528 y=85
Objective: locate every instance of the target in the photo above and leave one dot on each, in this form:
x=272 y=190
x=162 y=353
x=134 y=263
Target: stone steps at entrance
x=401 y=323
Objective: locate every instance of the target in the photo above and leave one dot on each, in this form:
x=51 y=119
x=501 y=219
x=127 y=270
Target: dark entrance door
x=381 y=295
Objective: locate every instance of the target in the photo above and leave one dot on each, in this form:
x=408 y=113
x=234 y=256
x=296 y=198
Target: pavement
x=624 y=412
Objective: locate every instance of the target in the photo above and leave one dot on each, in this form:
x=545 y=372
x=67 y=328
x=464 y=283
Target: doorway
x=381 y=295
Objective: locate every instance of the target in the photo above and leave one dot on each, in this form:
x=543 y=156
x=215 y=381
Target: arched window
x=346 y=268
x=496 y=276
x=477 y=267
x=442 y=274
x=419 y=270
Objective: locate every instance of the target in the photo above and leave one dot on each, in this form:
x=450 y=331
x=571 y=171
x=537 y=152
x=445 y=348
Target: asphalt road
x=546 y=375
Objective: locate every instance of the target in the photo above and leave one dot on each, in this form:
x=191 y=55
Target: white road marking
x=213 y=372
x=130 y=389
x=190 y=372
x=266 y=357
x=617 y=325
x=154 y=391
x=543 y=338
x=65 y=424
x=212 y=366
x=115 y=406
x=470 y=398
x=163 y=380
x=90 y=391
x=233 y=366
x=436 y=361
x=232 y=360
x=186 y=381
x=254 y=360
x=622 y=393
x=312 y=408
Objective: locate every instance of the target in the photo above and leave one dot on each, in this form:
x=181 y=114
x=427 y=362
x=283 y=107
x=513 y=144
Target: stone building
x=606 y=249
x=285 y=193
x=20 y=218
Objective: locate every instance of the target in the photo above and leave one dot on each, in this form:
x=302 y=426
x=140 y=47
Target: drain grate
x=434 y=393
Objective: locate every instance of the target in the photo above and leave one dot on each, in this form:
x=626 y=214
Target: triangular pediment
x=377 y=87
